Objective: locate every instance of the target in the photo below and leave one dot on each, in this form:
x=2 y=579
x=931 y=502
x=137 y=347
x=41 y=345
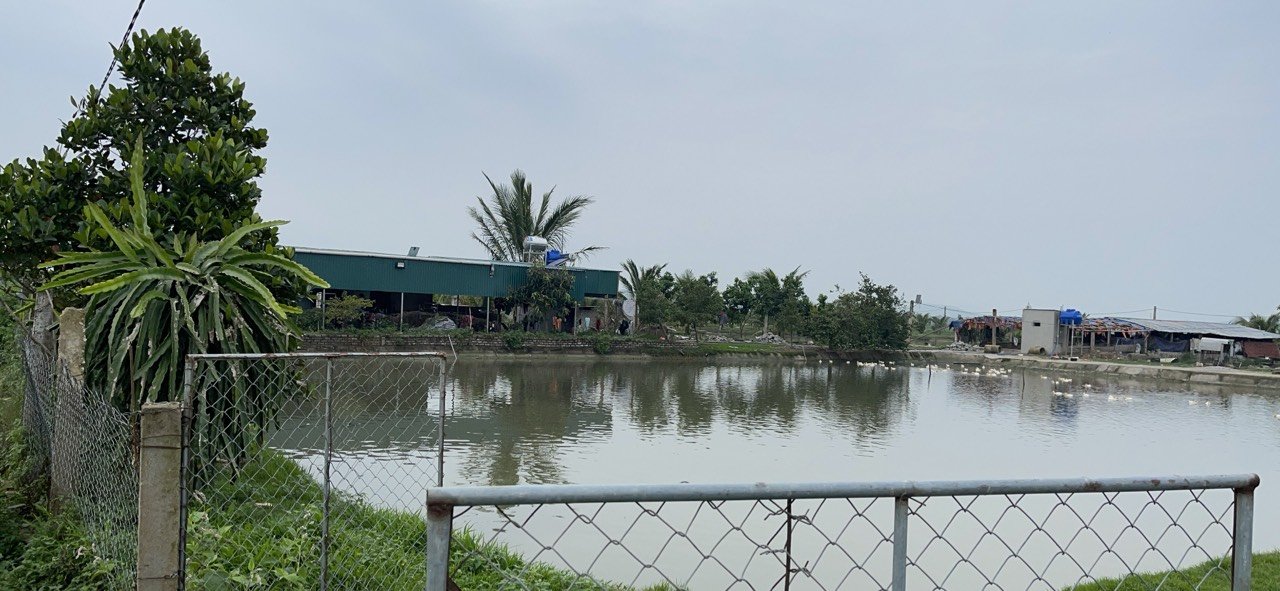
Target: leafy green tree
x=346 y=310
x=654 y=305
x=545 y=293
x=870 y=318
x=152 y=301
x=766 y=293
x=697 y=300
x=508 y=218
x=1268 y=323
x=795 y=306
x=738 y=301
x=201 y=157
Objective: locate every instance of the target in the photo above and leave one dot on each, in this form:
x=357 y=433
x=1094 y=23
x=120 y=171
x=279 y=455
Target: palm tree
x=636 y=275
x=508 y=218
x=772 y=293
x=1268 y=323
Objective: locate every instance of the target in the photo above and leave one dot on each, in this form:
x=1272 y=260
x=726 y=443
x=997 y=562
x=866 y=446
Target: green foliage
x=39 y=550
x=634 y=275
x=11 y=377
x=781 y=297
x=601 y=343
x=925 y=323
x=870 y=318
x=345 y=310
x=513 y=340
x=650 y=288
x=264 y=534
x=1212 y=575
x=738 y=300
x=697 y=300
x=545 y=292
x=1268 y=323
x=55 y=556
x=508 y=218
x=196 y=130
x=653 y=304
x=152 y=304
x=16 y=487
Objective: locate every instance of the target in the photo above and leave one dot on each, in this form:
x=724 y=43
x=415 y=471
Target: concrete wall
x=1040 y=331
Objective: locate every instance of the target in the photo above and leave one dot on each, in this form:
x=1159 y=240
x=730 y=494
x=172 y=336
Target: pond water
x=602 y=421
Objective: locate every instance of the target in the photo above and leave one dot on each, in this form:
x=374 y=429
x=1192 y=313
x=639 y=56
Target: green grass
x=262 y=530
x=1216 y=576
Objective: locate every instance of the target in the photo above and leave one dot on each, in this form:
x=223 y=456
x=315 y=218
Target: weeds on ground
x=39 y=550
x=262 y=530
x=1214 y=575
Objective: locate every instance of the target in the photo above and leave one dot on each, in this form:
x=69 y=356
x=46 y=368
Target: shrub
x=601 y=343
x=513 y=340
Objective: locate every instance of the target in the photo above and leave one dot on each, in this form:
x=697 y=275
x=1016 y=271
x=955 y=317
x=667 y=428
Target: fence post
x=188 y=422
x=328 y=461
x=786 y=582
x=439 y=535
x=444 y=382
x=1242 y=541
x=901 y=510
x=68 y=408
x=159 y=497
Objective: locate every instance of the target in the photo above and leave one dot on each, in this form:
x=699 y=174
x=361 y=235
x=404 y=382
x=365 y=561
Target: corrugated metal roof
x=1217 y=329
x=398 y=257
x=372 y=271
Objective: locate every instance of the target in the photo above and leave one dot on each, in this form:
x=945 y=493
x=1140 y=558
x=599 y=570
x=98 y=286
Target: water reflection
x=513 y=421
x=615 y=421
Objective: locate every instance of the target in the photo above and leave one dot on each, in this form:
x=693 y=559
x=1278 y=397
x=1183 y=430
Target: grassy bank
x=262 y=529
x=1203 y=577
x=38 y=550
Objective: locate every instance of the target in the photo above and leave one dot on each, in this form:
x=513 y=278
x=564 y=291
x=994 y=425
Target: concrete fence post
x=159 y=497
x=68 y=409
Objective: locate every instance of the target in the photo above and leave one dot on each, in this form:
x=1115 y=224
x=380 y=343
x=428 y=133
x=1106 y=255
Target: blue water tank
x=1070 y=316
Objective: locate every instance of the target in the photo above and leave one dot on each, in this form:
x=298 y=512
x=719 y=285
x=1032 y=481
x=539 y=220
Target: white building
x=1039 y=331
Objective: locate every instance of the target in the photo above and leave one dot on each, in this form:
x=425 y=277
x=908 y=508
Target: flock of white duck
x=1061 y=386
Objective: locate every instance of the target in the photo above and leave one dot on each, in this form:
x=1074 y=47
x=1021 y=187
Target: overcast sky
x=1102 y=156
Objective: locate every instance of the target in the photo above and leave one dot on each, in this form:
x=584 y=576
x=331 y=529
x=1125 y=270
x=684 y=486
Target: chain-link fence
x=1150 y=533
x=308 y=471
x=84 y=446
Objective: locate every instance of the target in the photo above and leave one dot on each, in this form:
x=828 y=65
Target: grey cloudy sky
x=1104 y=156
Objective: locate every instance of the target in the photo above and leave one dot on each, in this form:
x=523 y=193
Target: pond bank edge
x=494 y=346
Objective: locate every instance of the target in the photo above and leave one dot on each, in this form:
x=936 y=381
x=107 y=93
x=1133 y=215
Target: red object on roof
x=1261 y=349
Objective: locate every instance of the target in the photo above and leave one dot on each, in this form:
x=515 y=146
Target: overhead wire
x=1200 y=314
x=97 y=92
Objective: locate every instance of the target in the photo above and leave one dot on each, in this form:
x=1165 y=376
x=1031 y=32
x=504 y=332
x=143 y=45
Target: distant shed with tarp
x=1175 y=336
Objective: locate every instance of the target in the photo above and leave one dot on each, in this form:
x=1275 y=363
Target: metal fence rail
x=1009 y=534
x=289 y=461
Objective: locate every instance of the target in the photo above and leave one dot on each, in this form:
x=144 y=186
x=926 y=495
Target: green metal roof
x=371 y=271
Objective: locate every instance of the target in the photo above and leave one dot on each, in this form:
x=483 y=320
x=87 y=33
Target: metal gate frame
x=188 y=406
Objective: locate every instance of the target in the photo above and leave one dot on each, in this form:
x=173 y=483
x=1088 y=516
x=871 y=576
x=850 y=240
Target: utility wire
x=97 y=93
x=1125 y=312
x=1200 y=313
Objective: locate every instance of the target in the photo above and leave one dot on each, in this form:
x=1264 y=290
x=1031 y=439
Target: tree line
x=871 y=317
